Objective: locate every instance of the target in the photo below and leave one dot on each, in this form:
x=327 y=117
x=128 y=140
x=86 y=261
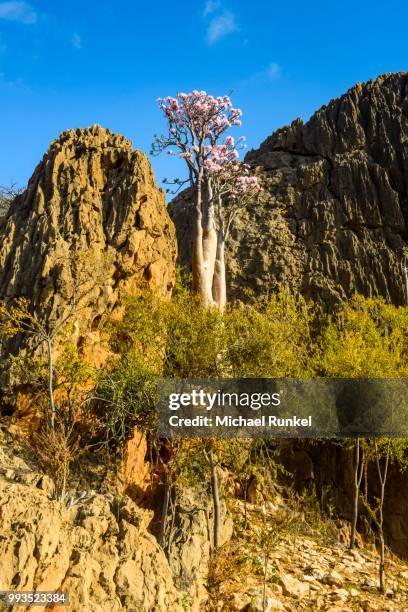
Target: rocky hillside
x=90 y=224
x=307 y=564
x=101 y=551
x=98 y=550
x=103 y=547
x=335 y=217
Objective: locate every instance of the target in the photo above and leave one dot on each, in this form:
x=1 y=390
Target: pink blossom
x=199 y=117
x=243 y=184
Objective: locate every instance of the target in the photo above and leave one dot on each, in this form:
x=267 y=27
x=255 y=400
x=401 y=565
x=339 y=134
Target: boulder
x=292 y=586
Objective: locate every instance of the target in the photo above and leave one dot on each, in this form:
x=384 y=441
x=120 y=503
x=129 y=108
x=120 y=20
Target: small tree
x=358 y=470
x=59 y=386
x=382 y=476
x=380 y=452
x=215 y=490
x=234 y=188
x=19 y=317
x=7 y=195
x=197 y=124
x=367 y=338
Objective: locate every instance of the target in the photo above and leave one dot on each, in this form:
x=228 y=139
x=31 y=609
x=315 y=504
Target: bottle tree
x=197 y=132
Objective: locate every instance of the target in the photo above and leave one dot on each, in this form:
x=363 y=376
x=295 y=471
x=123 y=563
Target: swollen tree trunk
x=220 y=284
x=198 y=257
x=209 y=252
x=209 y=237
x=205 y=244
x=359 y=460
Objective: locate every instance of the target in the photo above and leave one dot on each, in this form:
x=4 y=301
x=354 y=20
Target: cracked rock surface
x=91 y=223
x=99 y=551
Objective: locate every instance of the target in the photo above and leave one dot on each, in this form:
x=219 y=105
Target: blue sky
x=71 y=64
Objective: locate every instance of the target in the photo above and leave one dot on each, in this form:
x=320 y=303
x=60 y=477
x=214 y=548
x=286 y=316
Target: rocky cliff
x=98 y=550
x=90 y=224
x=334 y=219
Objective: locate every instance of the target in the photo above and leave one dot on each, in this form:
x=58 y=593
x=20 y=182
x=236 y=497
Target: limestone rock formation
x=191 y=543
x=334 y=221
x=98 y=551
x=90 y=224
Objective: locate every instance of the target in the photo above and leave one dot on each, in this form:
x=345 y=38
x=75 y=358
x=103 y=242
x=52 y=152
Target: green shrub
x=280 y=337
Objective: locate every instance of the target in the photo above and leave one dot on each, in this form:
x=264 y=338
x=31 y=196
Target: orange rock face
x=135 y=468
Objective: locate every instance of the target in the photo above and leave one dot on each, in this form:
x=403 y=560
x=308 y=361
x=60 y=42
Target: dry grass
x=55 y=451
